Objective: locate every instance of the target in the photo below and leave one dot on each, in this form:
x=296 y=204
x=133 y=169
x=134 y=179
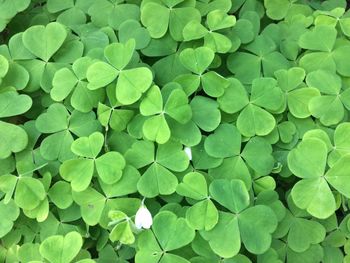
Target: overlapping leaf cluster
x=102 y=102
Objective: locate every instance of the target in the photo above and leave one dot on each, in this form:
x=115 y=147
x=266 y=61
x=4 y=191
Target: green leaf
x=53 y=120
x=14 y=104
x=4 y=67
x=79 y=172
x=338 y=176
x=258 y=155
x=9 y=213
x=219 y=19
x=225 y=142
x=122 y=231
x=88 y=147
x=308 y=160
x=203 y=215
x=177 y=106
x=157 y=180
x=91 y=203
x=61 y=194
x=314 y=195
x=320 y=38
x=44 y=42
x=197 y=60
x=152 y=103
x=194 y=186
x=100 y=74
x=110 y=167
x=156 y=129
x=254 y=120
x=299 y=100
x=256 y=234
x=231 y=194
x=226 y=230
x=119 y=55
x=205 y=113
x=235 y=97
x=131 y=29
x=13 y=139
x=61 y=249
x=303 y=233
x=155 y=18
x=132 y=84
x=166 y=221
x=29 y=193
x=213 y=84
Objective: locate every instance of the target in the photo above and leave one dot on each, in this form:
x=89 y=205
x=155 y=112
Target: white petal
x=188 y=151
x=143 y=218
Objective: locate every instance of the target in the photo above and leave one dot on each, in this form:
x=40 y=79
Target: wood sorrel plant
x=174 y=131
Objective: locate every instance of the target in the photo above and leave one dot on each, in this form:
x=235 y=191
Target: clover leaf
x=156 y=128
x=59 y=249
x=241 y=225
x=79 y=172
x=216 y=20
x=153 y=251
x=159 y=17
x=131 y=83
x=337 y=61
x=329 y=86
x=197 y=61
x=65 y=82
x=44 y=42
x=157 y=178
x=308 y=161
x=261 y=57
x=203 y=214
x=254 y=118
x=9 y=213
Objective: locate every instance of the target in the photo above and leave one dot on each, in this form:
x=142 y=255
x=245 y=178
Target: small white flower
x=188 y=152
x=143 y=218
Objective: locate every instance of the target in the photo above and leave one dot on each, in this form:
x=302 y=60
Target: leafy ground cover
x=174 y=131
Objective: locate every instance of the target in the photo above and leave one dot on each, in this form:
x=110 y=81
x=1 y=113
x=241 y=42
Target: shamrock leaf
x=61 y=249
x=9 y=213
x=302 y=232
x=156 y=128
x=14 y=104
x=327 y=56
x=308 y=161
x=131 y=83
x=58 y=121
x=159 y=17
x=66 y=82
x=254 y=118
x=131 y=29
x=13 y=138
x=242 y=224
x=151 y=250
x=329 y=86
x=205 y=113
x=216 y=20
x=79 y=172
x=158 y=178
x=298 y=97
x=203 y=214
x=28 y=192
x=122 y=230
x=263 y=58
x=44 y=42
x=197 y=61
x=216 y=145
x=92 y=204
